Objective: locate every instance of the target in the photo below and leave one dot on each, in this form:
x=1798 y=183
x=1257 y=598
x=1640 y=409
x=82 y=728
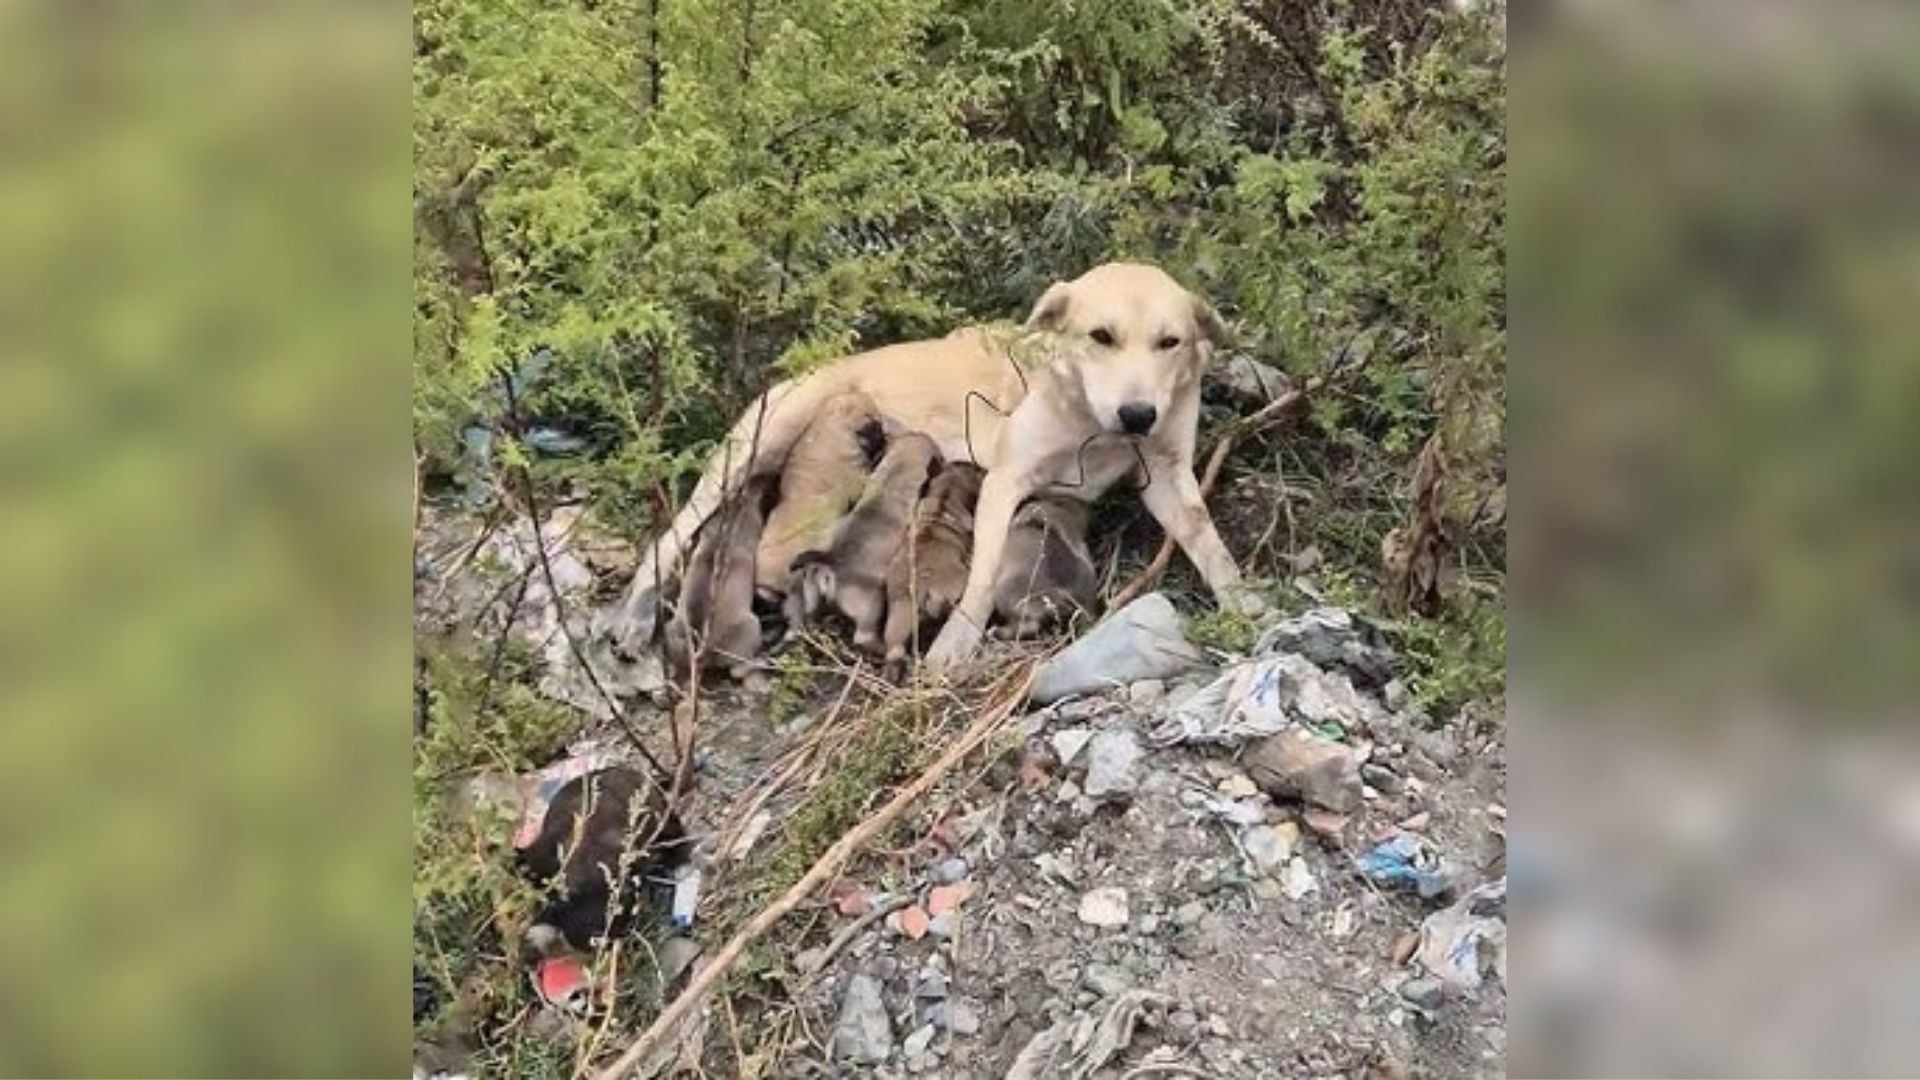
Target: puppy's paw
x=629 y=627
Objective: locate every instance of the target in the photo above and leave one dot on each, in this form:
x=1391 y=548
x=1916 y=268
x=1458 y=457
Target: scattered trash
x=1146 y=693
x=1144 y=640
x=1297 y=765
x=561 y=981
x=1331 y=637
x=1298 y=880
x=1068 y=742
x=686 y=896
x=1263 y=697
x=534 y=794
x=864 y=1035
x=1465 y=943
x=1113 y=764
x=1106 y=980
x=1076 y=1046
x=1105 y=907
x=1406 y=859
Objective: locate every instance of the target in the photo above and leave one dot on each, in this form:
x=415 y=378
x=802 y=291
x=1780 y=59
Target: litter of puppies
x=868 y=528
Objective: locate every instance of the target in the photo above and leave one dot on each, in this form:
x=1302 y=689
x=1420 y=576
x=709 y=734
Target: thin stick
x=811 y=963
x=1163 y=558
x=828 y=865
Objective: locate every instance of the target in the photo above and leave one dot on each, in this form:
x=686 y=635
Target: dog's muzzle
x=1137 y=417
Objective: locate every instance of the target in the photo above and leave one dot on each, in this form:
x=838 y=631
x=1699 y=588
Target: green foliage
x=1223 y=631
x=688 y=199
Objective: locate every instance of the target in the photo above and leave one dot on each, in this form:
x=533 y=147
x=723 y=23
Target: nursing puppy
x=820 y=481
x=850 y=575
x=715 y=618
x=1046 y=575
x=1104 y=380
x=929 y=572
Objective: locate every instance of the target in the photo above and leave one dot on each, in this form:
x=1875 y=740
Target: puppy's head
x=1136 y=340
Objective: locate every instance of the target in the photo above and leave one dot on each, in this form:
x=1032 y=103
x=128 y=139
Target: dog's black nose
x=1137 y=417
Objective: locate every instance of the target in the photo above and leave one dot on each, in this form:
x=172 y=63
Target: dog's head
x=1136 y=340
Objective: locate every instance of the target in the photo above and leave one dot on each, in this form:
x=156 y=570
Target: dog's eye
x=1169 y=342
x=1102 y=335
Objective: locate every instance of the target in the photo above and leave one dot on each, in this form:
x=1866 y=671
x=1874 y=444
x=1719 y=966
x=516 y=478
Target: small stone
x=1218 y=1025
x=1295 y=765
x=941 y=925
x=1105 y=907
x=1146 y=693
x=1395 y=694
x=1417 y=822
x=1382 y=778
x=1054 y=866
x=1266 y=847
x=1113 y=764
x=1189 y=913
x=864 y=1035
x=1298 y=880
x=1342 y=923
x=1069 y=792
x=950 y=870
x=1268 y=889
x=913 y=922
x=1148 y=926
x=1068 y=742
x=917 y=1043
x=944 y=898
x=1404 y=946
x=961 y=1017
x=932 y=987
x=1239 y=786
x=1328 y=826
x=1106 y=980
x=1426 y=994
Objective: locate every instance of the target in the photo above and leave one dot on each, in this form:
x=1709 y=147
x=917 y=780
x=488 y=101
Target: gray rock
x=962 y=1018
x=1381 y=778
x=1113 y=764
x=1105 y=907
x=1068 y=742
x=950 y=871
x=1425 y=994
x=1189 y=913
x=933 y=986
x=1147 y=693
x=1252 y=382
x=1145 y=640
x=864 y=1035
x=918 y=1043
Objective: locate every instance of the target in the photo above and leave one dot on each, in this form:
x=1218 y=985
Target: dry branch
x=821 y=872
x=1163 y=558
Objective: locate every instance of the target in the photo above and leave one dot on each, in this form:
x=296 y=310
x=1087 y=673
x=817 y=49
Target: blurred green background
x=203 y=569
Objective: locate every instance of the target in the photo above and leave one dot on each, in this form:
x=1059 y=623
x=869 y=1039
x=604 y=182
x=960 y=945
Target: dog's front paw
x=956 y=643
x=629 y=626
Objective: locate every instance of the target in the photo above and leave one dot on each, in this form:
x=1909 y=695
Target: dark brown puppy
x=604 y=835
x=1046 y=576
x=850 y=575
x=715 y=618
x=929 y=572
x=820 y=480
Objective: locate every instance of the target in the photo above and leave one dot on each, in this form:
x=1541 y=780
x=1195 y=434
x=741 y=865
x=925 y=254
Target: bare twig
x=1013 y=691
x=812 y=963
x=1250 y=425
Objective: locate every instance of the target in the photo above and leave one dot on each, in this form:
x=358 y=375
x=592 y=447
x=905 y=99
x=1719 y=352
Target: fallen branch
x=1249 y=425
x=809 y=963
x=821 y=872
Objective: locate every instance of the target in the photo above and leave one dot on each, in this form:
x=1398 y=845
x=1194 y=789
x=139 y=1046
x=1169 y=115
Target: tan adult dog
x=1106 y=380
x=850 y=574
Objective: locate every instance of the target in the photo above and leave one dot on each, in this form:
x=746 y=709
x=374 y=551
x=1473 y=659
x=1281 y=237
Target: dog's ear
x=1212 y=330
x=1051 y=311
